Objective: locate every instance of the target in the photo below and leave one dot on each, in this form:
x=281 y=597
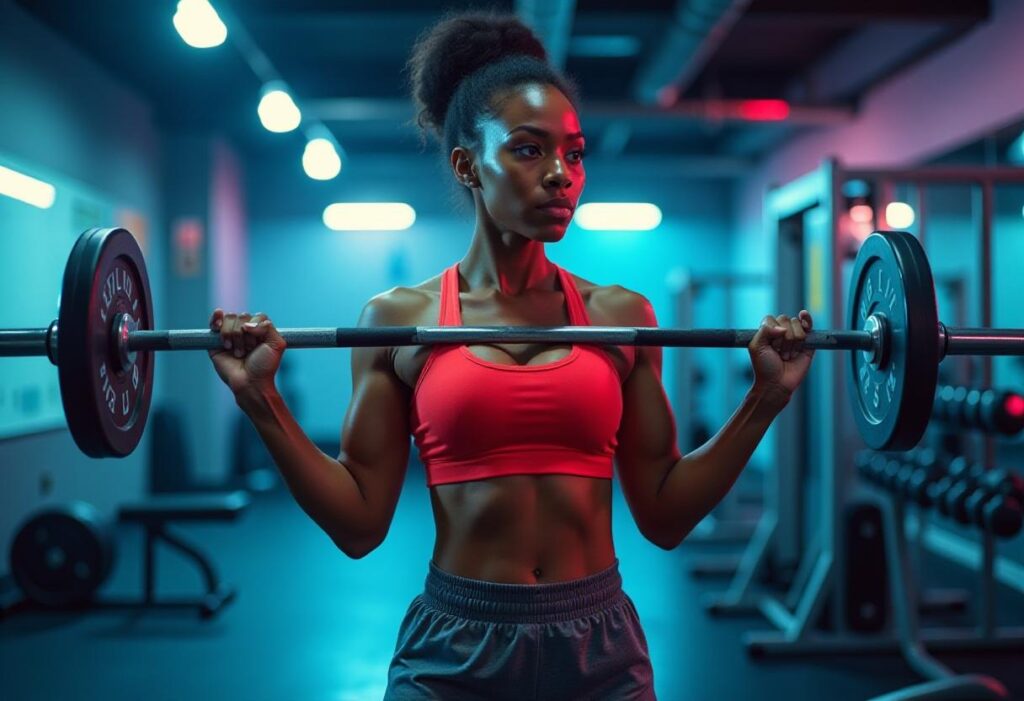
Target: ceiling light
x=899 y=215
x=277 y=110
x=320 y=159
x=199 y=25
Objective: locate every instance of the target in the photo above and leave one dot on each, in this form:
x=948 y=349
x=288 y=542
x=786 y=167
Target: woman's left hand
x=777 y=353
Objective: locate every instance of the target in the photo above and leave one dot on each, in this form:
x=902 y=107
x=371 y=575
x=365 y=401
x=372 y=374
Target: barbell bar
x=103 y=340
x=951 y=341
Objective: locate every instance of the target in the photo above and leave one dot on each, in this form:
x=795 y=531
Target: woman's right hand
x=250 y=353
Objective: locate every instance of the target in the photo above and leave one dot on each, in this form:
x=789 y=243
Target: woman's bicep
x=375 y=431
x=647 y=447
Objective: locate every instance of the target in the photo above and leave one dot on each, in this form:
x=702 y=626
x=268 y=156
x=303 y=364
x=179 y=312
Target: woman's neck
x=506 y=263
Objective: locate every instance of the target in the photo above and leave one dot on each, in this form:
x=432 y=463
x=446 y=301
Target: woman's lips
x=557 y=212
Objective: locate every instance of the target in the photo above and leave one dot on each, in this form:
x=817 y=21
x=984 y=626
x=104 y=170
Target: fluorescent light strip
x=618 y=216
x=26 y=189
x=369 y=216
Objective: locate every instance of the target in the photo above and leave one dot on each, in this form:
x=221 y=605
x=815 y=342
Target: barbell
x=103 y=340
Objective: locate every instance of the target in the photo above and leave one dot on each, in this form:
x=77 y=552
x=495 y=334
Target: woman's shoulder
x=612 y=305
x=607 y=305
x=403 y=306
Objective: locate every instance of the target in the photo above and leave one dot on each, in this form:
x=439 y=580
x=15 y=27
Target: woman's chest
x=538 y=310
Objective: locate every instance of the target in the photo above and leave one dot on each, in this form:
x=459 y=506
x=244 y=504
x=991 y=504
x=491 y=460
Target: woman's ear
x=462 y=166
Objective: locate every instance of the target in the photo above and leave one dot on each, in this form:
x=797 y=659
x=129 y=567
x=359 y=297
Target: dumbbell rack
x=819 y=581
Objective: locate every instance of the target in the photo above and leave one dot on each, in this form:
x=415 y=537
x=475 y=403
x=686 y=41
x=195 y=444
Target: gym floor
x=310 y=623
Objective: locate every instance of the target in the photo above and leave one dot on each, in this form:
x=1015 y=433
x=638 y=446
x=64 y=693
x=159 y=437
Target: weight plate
x=105 y=404
x=62 y=555
x=892 y=403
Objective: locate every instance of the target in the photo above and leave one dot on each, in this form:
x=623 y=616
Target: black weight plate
x=60 y=556
x=892 y=404
x=106 y=406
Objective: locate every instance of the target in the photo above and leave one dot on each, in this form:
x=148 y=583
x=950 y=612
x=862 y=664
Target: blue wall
x=62 y=115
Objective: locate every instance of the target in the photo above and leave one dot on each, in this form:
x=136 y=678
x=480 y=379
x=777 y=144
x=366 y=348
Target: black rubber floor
x=311 y=624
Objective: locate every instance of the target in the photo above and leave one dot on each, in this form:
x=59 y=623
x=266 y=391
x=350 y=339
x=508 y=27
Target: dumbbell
x=874 y=467
x=989 y=410
x=904 y=477
x=890 y=475
x=943 y=395
x=955 y=501
x=1004 y=516
x=928 y=469
x=969 y=410
x=939 y=492
x=996 y=503
x=862 y=463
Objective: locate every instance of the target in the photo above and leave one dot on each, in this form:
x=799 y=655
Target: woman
x=523 y=598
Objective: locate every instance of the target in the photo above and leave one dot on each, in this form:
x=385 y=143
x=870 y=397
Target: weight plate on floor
x=892 y=402
x=105 y=403
x=60 y=556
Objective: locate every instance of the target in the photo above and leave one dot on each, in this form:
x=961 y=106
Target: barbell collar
x=203 y=339
x=51 y=342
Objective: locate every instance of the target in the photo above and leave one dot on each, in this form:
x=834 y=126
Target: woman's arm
x=668 y=494
x=352 y=498
x=325 y=488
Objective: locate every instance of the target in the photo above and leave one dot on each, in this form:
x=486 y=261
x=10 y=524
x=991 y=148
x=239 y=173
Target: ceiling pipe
x=710 y=110
x=551 y=21
x=697 y=30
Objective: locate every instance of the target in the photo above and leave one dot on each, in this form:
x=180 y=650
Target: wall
x=204 y=187
x=57 y=115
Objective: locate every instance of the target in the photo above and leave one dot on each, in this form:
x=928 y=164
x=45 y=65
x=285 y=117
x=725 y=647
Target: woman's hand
x=251 y=350
x=776 y=351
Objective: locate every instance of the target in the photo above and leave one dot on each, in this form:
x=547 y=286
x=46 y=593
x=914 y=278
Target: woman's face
x=529 y=167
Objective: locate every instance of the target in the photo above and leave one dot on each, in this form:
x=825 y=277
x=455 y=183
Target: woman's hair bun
x=454 y=48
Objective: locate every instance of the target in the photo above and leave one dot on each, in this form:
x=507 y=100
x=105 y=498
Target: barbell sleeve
x=983 y=341
x=203 y=339
x=16 y=342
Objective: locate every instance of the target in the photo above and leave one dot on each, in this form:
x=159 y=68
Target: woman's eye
x=533 y=150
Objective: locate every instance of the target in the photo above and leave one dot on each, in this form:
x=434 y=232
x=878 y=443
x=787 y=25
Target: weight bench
x=155 y=514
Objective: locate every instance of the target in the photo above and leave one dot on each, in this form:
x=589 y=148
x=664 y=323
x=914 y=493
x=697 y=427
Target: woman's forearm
x=323 y=486
x=701 y=479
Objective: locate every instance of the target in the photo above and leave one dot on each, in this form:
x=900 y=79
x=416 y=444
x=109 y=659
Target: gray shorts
x=472 y=639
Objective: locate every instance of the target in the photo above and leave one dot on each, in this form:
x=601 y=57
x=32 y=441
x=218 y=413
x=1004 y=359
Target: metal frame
x=776 y=543
x=985 y=180
x=796 y=615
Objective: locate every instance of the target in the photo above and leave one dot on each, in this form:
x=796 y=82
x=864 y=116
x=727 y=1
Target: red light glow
x=862 y=213
x=764 y=110
x=1014 y=405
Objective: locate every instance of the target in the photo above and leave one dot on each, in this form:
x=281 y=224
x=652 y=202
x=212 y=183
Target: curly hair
x=460 y=66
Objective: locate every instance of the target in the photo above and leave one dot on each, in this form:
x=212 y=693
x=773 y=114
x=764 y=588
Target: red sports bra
x=474 y=419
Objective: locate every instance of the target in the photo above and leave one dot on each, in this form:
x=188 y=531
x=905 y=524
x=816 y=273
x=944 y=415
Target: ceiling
x=658 y=77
